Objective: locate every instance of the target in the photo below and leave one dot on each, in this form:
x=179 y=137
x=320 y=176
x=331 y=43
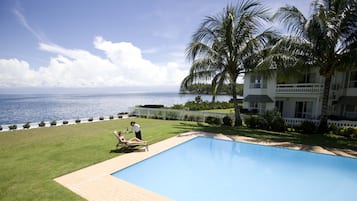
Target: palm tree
x=327 y=40
x=225 y=46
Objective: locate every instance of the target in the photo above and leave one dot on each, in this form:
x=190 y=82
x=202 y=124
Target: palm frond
x=292 y=18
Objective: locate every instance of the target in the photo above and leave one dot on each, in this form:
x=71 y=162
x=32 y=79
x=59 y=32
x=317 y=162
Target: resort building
x=301 y=97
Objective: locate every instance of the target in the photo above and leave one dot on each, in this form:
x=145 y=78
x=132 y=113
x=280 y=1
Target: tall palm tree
x=327 y=40
x=225 y=46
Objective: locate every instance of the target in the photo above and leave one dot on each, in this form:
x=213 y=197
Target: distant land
x=207 y=89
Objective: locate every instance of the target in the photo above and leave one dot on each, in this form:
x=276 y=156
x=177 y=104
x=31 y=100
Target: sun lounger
x=130 y=144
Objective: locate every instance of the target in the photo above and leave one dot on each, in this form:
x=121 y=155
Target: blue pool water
x=219 y=170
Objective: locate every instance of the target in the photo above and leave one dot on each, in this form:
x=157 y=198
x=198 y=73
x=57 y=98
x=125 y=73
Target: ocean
x=22 y=108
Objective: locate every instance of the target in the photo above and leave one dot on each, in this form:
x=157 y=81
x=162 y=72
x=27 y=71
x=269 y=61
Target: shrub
x=213 y=120
x=78 y=121
x=42 y=124
x=26 y=126
x=53 y=123
x=120 y=116
x=274 y=121
x=354 y=133
x=227 y=121
x=172 y=115
x=307 y=127
x=278 y=124
x=65 y=122
x=13 y=127
x=101 y=118
x=0 y=128
x=178 y=107
x=334 y=129
x=111 y=117
x=90 y=119
x=188 y=117
x=262 y=123
x=251 y=121
x=198 y=118
x=348 y=132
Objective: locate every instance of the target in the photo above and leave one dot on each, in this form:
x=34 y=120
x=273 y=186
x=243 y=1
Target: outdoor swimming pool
x=219 y=170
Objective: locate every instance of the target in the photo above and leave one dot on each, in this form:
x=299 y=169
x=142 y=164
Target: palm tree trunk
x=238 y=120
x=324 y=110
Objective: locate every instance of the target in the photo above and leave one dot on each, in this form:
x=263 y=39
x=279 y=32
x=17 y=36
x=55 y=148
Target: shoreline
x=35 y=125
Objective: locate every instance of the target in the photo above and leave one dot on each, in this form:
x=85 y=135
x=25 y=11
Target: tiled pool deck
x=95 y=183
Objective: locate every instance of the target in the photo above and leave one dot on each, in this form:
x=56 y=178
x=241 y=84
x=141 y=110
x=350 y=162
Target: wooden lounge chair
x=130 y=144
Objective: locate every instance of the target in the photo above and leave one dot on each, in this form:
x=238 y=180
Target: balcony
x=301 y=88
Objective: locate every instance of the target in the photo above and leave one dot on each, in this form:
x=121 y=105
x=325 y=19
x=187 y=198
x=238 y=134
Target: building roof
x=258 y=99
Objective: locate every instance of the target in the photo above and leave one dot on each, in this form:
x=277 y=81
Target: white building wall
x=292 y=91
x=269 y=90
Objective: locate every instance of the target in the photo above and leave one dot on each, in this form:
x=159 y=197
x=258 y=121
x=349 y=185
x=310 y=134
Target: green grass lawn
x=31 y=159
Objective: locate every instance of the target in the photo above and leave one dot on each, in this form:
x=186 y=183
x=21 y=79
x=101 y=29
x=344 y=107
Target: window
x=350 y=111
x=307 y=77
x=260 y=107
x=303 y=110
x=279 y=105
x=256 y=81
x=353 y=80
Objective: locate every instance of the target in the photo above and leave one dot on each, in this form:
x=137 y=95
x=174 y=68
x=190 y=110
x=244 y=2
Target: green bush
x=227 y=121
x=189 y=117
x=42 y=124
x=278 y=124
x=13 y=127
x=251 y=121
x=101 y=118
x=90 y=119
x=199 y=104
x=0 y=128
x=120 y=116
x=178 y=107
x=213 y=120
x=193 y=118
x=354 y=133
x=53 y=123
x=274 y=121
x=78 y=121
x=334 y=129
x=172 y=115
x=348 y=132
x=307 y=127
x=262 y=123
x=26 y=126
x=65 y=122
x=111 y=117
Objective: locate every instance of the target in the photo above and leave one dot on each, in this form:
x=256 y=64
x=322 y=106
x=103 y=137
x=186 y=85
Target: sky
x=98 y=44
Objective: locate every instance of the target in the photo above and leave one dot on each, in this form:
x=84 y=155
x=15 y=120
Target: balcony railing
x=300 y=88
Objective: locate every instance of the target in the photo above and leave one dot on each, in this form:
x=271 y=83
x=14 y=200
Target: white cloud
x=122 y=66
x=39 y=36
x=16 y=73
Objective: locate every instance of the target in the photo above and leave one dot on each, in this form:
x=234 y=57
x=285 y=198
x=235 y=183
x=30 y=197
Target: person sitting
x=131 y=142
